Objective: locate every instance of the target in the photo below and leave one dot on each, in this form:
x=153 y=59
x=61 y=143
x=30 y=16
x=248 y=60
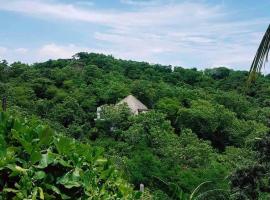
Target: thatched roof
x=134 y=104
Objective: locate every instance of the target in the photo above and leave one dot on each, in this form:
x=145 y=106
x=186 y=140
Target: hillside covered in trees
x=206 y=135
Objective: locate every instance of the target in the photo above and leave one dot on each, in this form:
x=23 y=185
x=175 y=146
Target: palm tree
x=261 y=56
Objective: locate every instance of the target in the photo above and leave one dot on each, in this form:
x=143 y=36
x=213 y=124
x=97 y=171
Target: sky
x=188 y=33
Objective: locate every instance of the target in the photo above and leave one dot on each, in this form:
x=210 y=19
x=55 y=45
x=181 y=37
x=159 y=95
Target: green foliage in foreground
x=37 y=164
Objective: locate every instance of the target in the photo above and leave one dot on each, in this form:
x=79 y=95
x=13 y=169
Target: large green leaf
x=39 y=175
x=57 y=191
x=35 y=156
x=45 y=136
x=47 y=159
x=71 y=179
x=64 y=145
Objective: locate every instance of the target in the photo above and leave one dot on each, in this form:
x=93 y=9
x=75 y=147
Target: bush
x=37 y=163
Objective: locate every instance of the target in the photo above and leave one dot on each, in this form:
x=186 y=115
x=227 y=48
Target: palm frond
x=220 y=193
x=197 y=189
x=261 y=56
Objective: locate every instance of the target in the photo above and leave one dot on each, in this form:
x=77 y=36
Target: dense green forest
x=206 y=135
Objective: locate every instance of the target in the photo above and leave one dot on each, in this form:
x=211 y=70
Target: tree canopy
x=205 y=137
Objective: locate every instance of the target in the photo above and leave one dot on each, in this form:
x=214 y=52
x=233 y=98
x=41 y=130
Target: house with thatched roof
x=135 y=105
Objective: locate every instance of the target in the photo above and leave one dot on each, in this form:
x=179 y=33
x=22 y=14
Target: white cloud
x=13 y=54
x=21 y=50
x=141 y=2
x=162 y=15
x=51 y=10
x=183 y=32
x=3 y=50
x=53 y=51
x=85 y=3
x=56 y=51
x=43 y=53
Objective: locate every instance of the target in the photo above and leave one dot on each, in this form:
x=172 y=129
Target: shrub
x=37 y=163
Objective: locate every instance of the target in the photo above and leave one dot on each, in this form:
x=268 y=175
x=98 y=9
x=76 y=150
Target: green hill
x=204 y=128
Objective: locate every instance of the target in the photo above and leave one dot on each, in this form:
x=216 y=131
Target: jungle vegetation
x=206 y=135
